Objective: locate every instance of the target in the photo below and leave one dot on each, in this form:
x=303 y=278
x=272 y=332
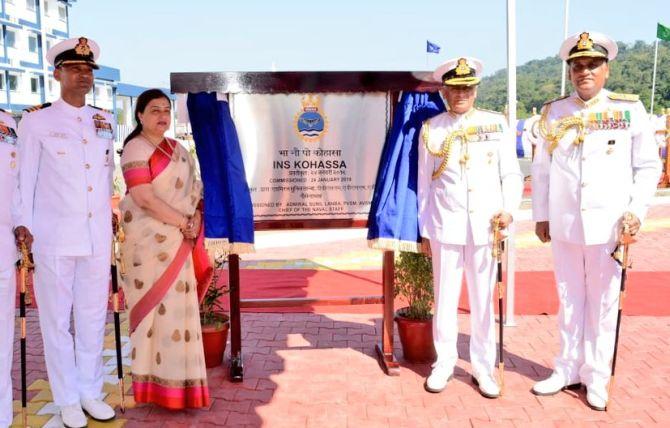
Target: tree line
x=539 y=81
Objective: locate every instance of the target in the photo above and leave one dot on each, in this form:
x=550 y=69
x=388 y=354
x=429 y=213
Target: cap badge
x=82 y=47
x=462 y=68
x=584 y=43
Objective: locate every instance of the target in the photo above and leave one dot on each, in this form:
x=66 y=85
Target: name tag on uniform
x=103 y=129
x=61 y=135
x=7 y=135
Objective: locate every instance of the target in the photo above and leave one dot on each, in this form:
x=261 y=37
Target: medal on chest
x=606 y=120
x=103 y=129
x=7 y=134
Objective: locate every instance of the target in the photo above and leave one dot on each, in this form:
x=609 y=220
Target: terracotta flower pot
x=214 y=338
x=416 y=337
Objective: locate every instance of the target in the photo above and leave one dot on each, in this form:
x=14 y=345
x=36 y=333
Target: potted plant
x=413 y=280
x=215 y=323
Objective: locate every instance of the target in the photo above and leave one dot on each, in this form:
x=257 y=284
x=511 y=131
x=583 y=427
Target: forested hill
x=540 y=80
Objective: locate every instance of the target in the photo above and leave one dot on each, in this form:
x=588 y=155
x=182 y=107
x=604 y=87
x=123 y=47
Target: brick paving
x=319 y=369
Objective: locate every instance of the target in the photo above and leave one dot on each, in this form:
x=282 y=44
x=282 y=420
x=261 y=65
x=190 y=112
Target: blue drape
x=393 y=221
x=229 y=220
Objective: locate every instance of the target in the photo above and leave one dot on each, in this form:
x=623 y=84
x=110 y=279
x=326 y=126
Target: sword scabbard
x=122 y=394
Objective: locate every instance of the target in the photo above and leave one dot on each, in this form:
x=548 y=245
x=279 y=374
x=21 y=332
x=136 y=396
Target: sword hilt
x=117 y=256
x=498 y=240
x=26 y=264
x=26 y=260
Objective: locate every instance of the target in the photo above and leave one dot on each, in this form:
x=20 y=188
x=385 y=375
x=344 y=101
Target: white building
x=28 y=28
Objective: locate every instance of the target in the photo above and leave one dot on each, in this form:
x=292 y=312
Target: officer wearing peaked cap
x=468 y=177
x=595 y=169
x=9 y=211
x=66 y=151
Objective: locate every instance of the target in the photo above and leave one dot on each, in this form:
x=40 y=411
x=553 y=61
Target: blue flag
x=432 y=47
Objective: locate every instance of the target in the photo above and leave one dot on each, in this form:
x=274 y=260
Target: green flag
x=663 y=32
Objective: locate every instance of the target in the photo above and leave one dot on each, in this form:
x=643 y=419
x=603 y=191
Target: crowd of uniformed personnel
x=594 y=173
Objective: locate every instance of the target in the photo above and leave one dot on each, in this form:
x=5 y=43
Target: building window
x=46 y=7
x=31 y=4
x=35 y=85
x=109 y=92
x=2 y=81
x=10 y=38
x=51 y=84
x=13 y=82
x=32 y=43
x=62 y=12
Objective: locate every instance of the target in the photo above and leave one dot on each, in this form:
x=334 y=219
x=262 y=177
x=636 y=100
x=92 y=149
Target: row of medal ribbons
x=608 y=120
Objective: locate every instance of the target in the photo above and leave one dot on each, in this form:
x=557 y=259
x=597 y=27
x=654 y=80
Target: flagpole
x=565 y=36
x=511 y=120
x=653 y=79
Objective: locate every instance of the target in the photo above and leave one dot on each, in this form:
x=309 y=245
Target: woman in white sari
x=166 y=267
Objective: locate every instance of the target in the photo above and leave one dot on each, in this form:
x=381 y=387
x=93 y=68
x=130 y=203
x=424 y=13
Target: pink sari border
x=171 y=398
x=136 y=176
x=158 y=290
x=204 y=272
x=158 y=160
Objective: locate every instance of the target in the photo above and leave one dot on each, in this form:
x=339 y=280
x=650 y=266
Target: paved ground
x=319 y=370
x=316 y=370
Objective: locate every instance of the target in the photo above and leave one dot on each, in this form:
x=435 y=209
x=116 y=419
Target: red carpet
x=648 y=293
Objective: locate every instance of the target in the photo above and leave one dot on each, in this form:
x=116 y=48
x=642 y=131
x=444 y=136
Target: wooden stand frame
x=308 y=82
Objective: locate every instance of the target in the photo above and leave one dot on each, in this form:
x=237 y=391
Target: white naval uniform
x=66 y=187
x=583 y=190
x=9 y=213
x=455 y=211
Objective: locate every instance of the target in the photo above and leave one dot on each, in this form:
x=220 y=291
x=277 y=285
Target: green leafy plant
x=116 y=183
x=212 y=312
x=414 y=281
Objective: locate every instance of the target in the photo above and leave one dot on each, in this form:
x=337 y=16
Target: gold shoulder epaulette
x=623 y=97
x=556 y=99
x=101 y=109
x=37 y=107
x=490 y=111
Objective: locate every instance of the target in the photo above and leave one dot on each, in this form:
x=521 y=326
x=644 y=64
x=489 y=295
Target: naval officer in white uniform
x=9 y=217
x=66 y=151
x=596 y=167
x=468 y=178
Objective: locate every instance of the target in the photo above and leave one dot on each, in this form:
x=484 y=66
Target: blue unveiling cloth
x=228 y=213
x=393 y=222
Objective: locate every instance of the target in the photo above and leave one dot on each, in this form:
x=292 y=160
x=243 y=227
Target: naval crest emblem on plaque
x=310 y=122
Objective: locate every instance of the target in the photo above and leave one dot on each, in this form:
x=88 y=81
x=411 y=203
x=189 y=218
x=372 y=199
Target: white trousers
x=7 y=322
x=587 y=281
x=79 y=286
x=449 y=261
